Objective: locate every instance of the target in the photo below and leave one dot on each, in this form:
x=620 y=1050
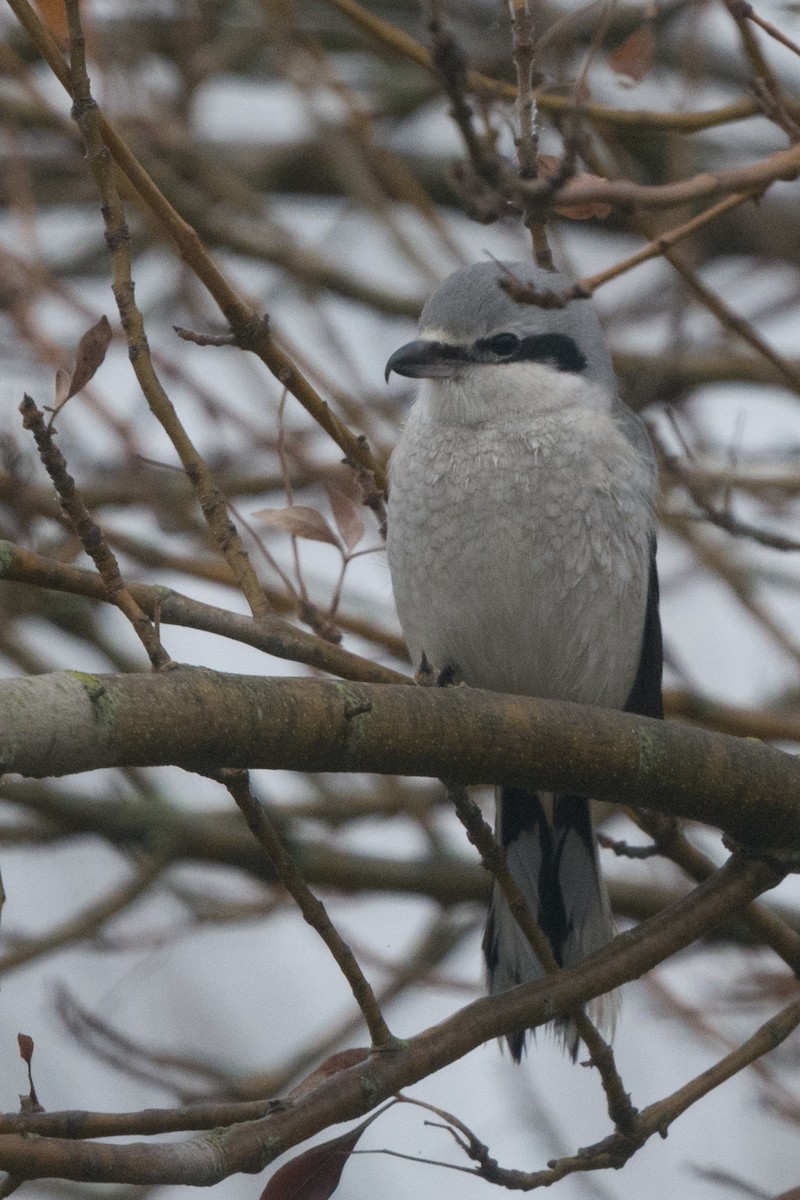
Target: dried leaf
x=62 y=387
x=584 y=212
x=549 y=166
x=331 y=1066
x=300 y=521
x=634 y=56
x=315 y=1174
x=347 y=518
x=90 y=354
x=29 y=1103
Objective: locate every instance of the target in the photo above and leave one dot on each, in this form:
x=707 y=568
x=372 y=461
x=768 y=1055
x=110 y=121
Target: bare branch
x=200 y=719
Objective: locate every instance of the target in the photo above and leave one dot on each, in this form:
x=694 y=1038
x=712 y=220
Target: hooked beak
x=426 y=360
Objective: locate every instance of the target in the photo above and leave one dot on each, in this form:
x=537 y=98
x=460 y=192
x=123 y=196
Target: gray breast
x=519 y=556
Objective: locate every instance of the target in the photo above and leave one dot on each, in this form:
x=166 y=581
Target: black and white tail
x=551 y=852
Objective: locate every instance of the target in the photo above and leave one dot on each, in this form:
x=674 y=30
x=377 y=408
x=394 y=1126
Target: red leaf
x=300 y=521
x=25 y=1047
x=90 y=354
x=315 y=1174
x=634 y=56
x=336 y=1062
x=347 y=517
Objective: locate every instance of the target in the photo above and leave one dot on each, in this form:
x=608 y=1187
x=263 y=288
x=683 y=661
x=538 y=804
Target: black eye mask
x=554 y=349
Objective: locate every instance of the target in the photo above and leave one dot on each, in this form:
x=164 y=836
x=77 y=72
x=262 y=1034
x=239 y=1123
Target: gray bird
x=521 y=547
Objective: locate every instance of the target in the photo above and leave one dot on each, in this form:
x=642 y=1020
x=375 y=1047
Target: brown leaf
x=90 y=354
x=300 y=521
x=29 y=1103
x=634 y=56
x=549 y=166
x=62 y=387
x=336 y=1062
x=315 y=1174
x=584 y=212
x=347 y=517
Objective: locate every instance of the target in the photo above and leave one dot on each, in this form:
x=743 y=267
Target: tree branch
x=251 y=1146
x=66 y=722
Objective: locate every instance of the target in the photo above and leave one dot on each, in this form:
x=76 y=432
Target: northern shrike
x=521 y=547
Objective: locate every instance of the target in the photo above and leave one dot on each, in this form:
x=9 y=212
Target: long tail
x=551 y=851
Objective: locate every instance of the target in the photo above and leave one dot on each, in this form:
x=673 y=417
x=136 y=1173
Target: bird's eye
x=503 y=344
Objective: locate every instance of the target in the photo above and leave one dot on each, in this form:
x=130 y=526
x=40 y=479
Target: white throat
x=497 y=391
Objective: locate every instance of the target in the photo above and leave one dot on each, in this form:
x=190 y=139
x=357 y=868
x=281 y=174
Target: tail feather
x=551 y=852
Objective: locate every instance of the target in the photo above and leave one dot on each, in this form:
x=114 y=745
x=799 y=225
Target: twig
x=313 y=910
x=714 y=303
x=749 y=12
x=204 y=339
x=659 y=245
x=766 y=86
x=522 y=29
x=300 y=593
x=148 y=1121
x=479 y=183
x=273 y=635
x=723 y=519
x=731 y=320
x=91 y=535
x=615 y=1150
x=527 y=141
x=766 y=1038
x=735 y=576
x=673 y=844
x=251 y=331
x=623 y=850
x=401 y=43
x=211 y=499
x=625 y=194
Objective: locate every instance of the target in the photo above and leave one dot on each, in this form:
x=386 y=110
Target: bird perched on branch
x=521 y=547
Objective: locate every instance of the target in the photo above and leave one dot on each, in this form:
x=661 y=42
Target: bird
x=521 y=546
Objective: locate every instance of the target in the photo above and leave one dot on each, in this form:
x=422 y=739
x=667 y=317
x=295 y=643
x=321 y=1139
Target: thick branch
x=66 y=722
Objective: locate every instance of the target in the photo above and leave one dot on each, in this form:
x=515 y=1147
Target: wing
x=645 y=697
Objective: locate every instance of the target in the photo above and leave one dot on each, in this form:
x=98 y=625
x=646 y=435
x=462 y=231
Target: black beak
x=426 y=360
